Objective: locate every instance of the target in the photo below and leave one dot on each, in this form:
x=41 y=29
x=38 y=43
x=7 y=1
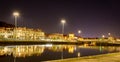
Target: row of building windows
x=23 y=33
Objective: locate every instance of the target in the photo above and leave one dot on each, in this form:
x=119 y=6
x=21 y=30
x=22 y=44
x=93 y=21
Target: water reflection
x=21 y=51
x=59 y=51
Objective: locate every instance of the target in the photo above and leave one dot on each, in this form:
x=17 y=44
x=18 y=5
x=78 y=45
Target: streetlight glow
x=103 y=36
x=109 y=34
x=79 y=31
x=63 y=23
x=16 y=14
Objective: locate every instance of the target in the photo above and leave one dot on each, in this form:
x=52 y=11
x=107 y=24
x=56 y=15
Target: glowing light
x=103 y=36
x=79 y=31
x=16 y=14
x=48 y=45
x=6 y=36
x=109 y=34
x=5 y=49
x=63 y=21
x=78 y=54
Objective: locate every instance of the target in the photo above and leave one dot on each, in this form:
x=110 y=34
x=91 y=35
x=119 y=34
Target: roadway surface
x=112 y=57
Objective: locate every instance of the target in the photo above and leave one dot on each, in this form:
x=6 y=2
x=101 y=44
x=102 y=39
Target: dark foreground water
x=38 y=53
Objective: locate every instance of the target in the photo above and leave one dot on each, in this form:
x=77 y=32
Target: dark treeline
x=4 y=24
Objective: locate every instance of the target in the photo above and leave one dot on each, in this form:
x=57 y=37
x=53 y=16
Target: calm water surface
x=38 y=53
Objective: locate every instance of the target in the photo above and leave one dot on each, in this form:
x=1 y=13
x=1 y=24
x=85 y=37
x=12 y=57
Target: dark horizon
x=94 y=18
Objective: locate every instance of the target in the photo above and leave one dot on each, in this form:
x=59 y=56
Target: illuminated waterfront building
x=6 y=32
x=21 y=33
x=56 y=36
x=118 y=39
x=80 y=39
x=71 y=37
x=111 y=38
x=27 y=34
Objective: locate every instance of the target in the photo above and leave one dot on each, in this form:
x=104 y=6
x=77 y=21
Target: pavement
x=110 y=57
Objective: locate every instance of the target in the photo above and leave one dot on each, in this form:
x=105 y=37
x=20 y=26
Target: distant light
x=63 y=21
x=109 y=34
x=78 y=54
x=103 y=36
x=5 y=49
x=79 y=31
x=48 y=45
x=16 y=14
x=6 y=36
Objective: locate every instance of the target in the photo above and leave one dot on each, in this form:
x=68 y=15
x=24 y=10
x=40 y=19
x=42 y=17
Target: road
x=112 y=57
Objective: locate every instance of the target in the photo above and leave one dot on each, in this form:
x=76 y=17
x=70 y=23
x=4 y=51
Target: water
x=38 y=53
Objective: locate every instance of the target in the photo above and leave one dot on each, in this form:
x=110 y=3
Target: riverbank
x=88 y=43
x=111 y=57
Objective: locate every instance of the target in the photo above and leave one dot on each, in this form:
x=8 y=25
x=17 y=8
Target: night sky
x=92 y=17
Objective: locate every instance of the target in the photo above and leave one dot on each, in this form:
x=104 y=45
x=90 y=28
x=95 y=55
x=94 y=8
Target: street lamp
x=16 y=15
x=63 y=23
x=79 y=31
x=109 y=34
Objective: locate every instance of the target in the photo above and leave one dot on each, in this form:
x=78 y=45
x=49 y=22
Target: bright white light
x=79 y=31
x=103 y=36
x=63 y=21
x=48 y=45
x=5 y=49
x=109 y=34
x=6 y=36
x=78 y=54
x=16 y=14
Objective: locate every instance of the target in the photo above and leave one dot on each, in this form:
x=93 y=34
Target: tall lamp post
x=16 y=15
x=63 y=23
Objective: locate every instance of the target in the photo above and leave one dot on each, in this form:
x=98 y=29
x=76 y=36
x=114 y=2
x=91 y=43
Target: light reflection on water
x=37 y=53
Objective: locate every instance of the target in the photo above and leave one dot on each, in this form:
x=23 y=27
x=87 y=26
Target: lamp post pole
x=15 y=14
x=63 y=23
